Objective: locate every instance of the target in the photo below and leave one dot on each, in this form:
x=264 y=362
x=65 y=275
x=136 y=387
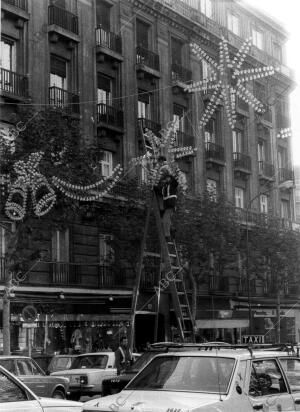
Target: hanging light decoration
x=284 y=133
x=223 y=75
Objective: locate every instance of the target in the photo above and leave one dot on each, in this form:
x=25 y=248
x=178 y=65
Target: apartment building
x=121 y=67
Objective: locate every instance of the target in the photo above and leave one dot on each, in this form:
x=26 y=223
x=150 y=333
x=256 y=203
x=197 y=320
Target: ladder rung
x=153 y=254
x=172 y=255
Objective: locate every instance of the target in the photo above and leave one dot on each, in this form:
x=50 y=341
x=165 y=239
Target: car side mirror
x=239 y=389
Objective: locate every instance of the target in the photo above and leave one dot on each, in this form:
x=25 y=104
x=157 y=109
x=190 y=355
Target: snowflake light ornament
x=226 y=81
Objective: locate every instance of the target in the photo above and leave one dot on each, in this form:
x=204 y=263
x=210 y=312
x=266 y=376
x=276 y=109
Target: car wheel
x=58 y=394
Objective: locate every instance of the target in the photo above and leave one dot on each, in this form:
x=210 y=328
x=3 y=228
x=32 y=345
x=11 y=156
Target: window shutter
x=144 y=96
x=104 y=83
x=58 y=66
x=142 y=31
x=176 y=46
x=103 y=15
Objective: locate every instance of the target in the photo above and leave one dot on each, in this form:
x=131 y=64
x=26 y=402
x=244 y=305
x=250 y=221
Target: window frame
x=239 y=197
x=60 y=249
x=106 y=163
x=233 y=23
x=257 y=38
x=12 y=53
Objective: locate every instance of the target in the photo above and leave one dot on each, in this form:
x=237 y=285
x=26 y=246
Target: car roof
x=95 y=353
x=14 y=357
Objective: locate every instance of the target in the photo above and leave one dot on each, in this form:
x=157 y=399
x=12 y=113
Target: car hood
x=80 y=371
x=144 y=401
x=60 y=403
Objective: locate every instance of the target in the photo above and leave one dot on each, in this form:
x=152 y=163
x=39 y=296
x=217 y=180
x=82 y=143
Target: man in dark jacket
x=169 y=193
x=123 y=356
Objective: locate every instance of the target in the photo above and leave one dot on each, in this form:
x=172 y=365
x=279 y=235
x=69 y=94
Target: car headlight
x=83 y=380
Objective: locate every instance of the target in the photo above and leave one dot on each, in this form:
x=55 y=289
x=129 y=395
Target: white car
x=215 y=380
x=87 y=373
x=16 y=397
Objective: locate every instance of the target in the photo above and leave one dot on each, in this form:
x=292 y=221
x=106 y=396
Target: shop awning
x=222 y=323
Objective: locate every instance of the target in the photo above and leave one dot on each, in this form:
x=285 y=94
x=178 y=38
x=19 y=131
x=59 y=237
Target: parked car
x=60 y=363
x=29 y=372
x=15 y=396
x=220 y=379
x=114 y=384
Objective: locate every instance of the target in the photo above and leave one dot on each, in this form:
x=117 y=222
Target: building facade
x=121 y=67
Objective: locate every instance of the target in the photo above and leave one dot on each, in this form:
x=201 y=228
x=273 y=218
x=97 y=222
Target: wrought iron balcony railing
x=150 y=125
x=285 y=174
x=180 y=73
x=63 y=19
x=266 y=169
x=109 y=115
x=63 y=99
x=13 y=83
x=20 y=4
x=147 y=58
x=108 y=39
x=241 y=161
x=214 y=151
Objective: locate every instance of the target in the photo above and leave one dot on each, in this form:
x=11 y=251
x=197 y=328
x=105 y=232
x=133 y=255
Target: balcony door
x=58 y=73
x=106 y=260
x=237 y=141
x=60 y=257
x=104 y=90
x=8 y=51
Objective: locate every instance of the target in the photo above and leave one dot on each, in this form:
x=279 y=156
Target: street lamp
x=288 y=184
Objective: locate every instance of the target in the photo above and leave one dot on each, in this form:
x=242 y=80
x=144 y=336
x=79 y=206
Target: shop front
x=224 y=330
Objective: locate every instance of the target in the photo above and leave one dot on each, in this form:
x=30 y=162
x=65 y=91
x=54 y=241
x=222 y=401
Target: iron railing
x=150 y=125
x=14 y=83
x=266 y=169
x=63 y=19
x=285 y=174
x=108 y=39
x=241 y=161
x=214 y=151
x=147 y=58
x=21 y=4
x=180 y=73
x=110 y=115
x=63 y=99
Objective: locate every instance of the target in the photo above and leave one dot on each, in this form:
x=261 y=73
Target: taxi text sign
x=253 y=339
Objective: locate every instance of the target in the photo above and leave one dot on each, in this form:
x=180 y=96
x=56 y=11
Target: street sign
x=29 y=313
x=29 y=325
x=253 y=339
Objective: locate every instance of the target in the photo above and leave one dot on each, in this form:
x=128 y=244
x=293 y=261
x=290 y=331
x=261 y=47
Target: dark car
x=115 y=384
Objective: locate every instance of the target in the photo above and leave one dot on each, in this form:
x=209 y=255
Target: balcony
x=89 y=275
x=109 y=117
x=62 y=22
x=266 y=171
x=17 y=9
x=147 y=62
x=13 y=85
x=108 y=44
x=147 y=124
x=285 y=175
x=241 y=164
x=180 y=75
x=68 y=102
x=20 y=4
x=214 y=153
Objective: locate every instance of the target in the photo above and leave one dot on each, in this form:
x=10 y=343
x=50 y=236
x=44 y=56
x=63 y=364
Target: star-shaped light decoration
x=284 y=133
x=226 y=81
x=166 y=145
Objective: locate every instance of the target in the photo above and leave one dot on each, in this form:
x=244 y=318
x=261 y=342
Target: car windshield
x=60 y=363
x=141 y=361
x=90 y=361
x=185 y=373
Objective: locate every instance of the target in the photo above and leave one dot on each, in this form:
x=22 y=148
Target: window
x=266 y=378
x=2 y=241
x=58 y=72
x=263 y=203
x=10 y=391
x=282 y=158
x=8 y=51
x=211 y=187
x=261 y=151
x=106 y=252
x=237 y=141
x=144 y=105
x=104 y=89
x=142 y=34
x=277 y=51
x=60 y=245
x=285 y=209
x=233 y=23
x=176 y=50
x=103 y=15
x=206 y=7
x=292 y=368
x=210 y=131
x=206 y=70
x=179 y=117
x=257 y=38
x=106 y=163
x=239 y=195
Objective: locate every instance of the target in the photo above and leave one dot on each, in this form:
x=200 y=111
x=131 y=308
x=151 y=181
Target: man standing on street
x=123 y=356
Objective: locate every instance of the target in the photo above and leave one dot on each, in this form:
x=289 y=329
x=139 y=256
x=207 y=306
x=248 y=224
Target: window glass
x=58 y=72
x=206 y=7
x=106 y=252
x=292 y=372
x=285 y=209
x=103 y=15
x=106 y=163
x=90 y=361
x=237 y=141
x=8 y=58
x=211 y=187
x=257 y=38
x=24 y=367
x=9 y=364
x=277 y=51
x=60 y=245
x=264 y=203
x=233 y=23
x=239 y=197
x=10 y=391
x=176 y=50
x=266 y=378
x=210 y=131
x=142 y=34
x=199 y=374
x=104 y=89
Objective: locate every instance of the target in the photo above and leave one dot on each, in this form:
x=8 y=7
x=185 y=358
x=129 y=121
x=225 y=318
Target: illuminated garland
x=284 y=133
x=223 y=75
